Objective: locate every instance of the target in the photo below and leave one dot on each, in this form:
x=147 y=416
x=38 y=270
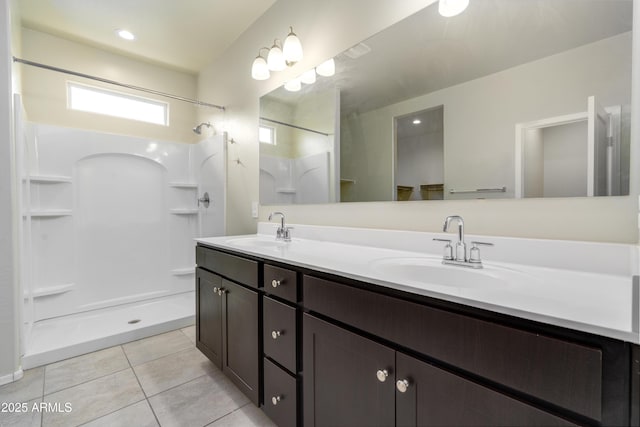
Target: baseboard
x=12 y=377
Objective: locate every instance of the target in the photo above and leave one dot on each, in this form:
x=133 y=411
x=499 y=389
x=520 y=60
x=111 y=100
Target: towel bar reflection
x=479 y=190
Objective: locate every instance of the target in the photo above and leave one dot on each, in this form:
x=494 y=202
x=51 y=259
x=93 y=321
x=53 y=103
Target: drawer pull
x=382 y=375
x=402 y=385
x=222 y=291
x=276 y=399
x=275 y=334
x=275 y=283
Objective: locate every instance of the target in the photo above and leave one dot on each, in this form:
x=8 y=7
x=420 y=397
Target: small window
x=267 y=135
x=110 y=103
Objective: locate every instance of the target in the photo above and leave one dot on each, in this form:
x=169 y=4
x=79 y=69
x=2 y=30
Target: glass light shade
x=292 y=48
x=259 y=69
x=293 y=85
x=448 y=8
x=275 y=59
x=308 y=77
x=327 y=68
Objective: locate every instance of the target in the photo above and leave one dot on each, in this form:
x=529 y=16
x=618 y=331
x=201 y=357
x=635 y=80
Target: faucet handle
x=474 y=252
x=286 y=234
x=448 y=249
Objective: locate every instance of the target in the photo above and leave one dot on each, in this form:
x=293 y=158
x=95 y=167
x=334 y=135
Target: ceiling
x=182 y=34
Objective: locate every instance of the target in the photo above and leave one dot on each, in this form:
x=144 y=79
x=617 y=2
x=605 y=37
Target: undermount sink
x=256 y=242
x=431 y=271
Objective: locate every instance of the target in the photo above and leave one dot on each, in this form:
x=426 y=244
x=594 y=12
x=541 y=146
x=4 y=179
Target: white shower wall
x=109 y=220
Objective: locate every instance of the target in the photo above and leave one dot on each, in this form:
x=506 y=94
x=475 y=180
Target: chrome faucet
x=461 y=246
x=282 y=233
x=459 y=256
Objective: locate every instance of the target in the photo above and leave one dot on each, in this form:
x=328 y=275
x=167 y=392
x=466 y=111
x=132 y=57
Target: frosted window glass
x=101 y=101
x=267 y=135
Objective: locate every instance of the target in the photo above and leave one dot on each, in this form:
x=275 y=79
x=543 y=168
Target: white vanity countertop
x=583 y=286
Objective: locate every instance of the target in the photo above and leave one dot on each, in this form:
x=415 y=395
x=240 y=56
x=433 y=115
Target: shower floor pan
x=56 y=339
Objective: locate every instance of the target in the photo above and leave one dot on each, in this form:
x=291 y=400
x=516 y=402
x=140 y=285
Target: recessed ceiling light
x=124 y=34
x=417 y=122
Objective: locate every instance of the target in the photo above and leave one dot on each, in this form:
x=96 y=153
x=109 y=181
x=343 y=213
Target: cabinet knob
x=402 y=385
x=222 y=291
x=275 y=334
x=382 y=375
x=275 y=283
x=215 y=290
x=276 y=399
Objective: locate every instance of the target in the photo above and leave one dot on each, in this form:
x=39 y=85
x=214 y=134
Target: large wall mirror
x=511 y=98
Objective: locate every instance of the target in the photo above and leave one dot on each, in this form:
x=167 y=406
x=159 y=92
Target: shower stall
x=108 y=221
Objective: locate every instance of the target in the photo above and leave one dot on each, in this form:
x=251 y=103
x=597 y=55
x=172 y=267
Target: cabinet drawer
x=562 y=373
x=239 y=269
x=279 y=333
x=280 y=395
x=281 y=282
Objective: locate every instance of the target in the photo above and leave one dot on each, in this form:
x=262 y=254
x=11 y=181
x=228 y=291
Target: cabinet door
x=434 y=397
x=209 y=315
x=241 y=338
x=340 y=378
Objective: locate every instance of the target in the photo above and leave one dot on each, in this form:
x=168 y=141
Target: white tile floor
x=157 y=381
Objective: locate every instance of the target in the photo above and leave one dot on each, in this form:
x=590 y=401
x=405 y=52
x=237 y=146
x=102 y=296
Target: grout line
x=144 y=393
x=112 y=412
x=164 y=355
x=227 y=414
x=177 y=385
x=85 y=382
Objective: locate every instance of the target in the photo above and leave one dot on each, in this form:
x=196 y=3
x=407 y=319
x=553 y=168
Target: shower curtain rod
x=293 y=126
x=113 y=82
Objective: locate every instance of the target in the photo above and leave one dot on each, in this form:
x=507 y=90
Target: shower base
x=56 y=339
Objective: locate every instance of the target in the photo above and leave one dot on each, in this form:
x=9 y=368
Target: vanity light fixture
x=327 y=68
x=292 y=48
x=260 y=69
x=309 y=76
x=293 y=85
x=275 y=58
x=280 y=57
x=449 y=8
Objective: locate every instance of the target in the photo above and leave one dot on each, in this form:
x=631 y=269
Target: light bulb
x=275 y=58
x=309 y=76
x=449 y=8
x=327 y=68
x=293 y=85
x=292 y=48
x=125 y=34
x=259 y=69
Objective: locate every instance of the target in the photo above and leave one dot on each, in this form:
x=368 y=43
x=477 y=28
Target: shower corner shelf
x=51 y=290
x=183 y=211
x=183 y=271
x=51 y=213
x=286 y=190
x=183 y=185
x=53 y=179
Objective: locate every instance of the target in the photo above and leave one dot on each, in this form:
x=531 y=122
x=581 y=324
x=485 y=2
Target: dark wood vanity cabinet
x=281 y=351
x=227 y=319
x=350 y=380
x=209 y=315
x=314 y=349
